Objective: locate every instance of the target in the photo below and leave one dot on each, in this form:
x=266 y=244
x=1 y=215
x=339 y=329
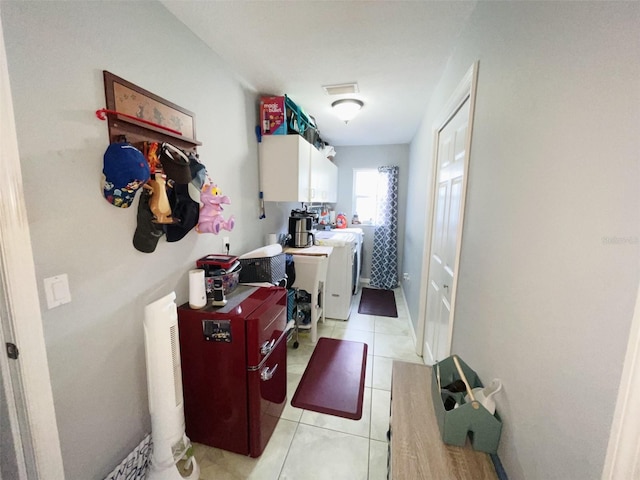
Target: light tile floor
x=309 y=445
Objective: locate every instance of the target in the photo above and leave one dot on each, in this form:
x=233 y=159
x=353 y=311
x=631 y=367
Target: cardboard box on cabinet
x=272 y=115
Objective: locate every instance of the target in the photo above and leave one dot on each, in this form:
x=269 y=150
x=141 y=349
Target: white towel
x=268 y=251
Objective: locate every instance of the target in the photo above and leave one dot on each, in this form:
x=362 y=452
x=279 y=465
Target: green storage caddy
x=470 y=418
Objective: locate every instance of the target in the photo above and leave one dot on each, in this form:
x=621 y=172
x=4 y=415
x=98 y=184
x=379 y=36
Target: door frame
x=21 y=319
x=466 y=90
x=623 y=451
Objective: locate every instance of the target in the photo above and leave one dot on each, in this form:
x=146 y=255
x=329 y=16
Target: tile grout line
x=284 y=461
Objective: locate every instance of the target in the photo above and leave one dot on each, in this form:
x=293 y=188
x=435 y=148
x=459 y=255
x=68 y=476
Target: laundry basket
x=263 y=269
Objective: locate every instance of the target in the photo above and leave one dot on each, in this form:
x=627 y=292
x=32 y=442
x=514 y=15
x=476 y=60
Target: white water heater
x=172 y=457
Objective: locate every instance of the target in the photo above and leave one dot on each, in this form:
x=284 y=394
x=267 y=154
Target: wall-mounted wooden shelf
x=173 y=124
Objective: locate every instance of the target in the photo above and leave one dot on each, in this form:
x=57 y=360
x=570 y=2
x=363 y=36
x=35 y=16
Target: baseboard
x=135 y=466
x=497 y=464
x=406 y=309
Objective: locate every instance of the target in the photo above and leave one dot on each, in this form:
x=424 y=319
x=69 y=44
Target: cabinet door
x=285 y=168
x=332 y=182
x=304 y=169
x=318 y=176
x=324 y=178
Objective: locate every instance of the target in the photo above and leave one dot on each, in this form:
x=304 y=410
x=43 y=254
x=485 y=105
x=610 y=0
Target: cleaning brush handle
x=463 y=377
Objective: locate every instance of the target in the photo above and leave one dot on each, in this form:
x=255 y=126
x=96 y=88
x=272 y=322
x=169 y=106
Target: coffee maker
x=301 y=228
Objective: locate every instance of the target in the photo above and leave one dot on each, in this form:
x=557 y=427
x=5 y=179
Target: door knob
x=445 y=286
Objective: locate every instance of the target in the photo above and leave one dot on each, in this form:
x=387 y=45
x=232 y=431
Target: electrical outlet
x=225 y=243
x=405 y=277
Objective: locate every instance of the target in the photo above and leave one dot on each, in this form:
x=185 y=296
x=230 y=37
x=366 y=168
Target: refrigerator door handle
x=266 y=374
x=255 y=368
x=267 y=346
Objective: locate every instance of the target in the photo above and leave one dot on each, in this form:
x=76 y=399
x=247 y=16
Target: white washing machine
x=342 y=271
x=359 y=234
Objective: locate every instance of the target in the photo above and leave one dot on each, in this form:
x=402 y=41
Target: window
x=365 y=194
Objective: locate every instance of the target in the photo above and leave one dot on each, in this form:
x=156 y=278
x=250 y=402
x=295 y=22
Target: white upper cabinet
x=292 y=170
x=324 y=179
x=285 y=168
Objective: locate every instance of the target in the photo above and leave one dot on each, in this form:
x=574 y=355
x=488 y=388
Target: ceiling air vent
x=341 y=89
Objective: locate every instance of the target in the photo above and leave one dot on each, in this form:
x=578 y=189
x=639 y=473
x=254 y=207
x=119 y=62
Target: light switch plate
x=57 y=290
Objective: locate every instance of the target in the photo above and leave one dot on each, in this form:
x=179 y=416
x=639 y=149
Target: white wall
x=349 y=158
x=551 y=247
x=56 y=53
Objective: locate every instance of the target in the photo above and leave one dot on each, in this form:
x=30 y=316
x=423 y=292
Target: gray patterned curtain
x=384 y=264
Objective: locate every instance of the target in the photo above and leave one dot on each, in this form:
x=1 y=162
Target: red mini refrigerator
x=234 y=369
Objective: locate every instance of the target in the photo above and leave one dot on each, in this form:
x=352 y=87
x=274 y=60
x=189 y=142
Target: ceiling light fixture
x=347 y=108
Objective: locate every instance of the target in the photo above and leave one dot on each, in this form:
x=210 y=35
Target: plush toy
x=211 y=220
x=159 y=202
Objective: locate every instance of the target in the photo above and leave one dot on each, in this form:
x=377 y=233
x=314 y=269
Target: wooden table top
x=417 y=450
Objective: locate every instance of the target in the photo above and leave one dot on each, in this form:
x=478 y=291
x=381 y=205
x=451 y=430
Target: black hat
x=198 y=177
x=184 y=210
x=175 y=163
x=147 y=232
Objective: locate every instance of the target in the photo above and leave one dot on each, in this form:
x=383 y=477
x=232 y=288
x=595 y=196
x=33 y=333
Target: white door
x=452 y=157
x=452 y=141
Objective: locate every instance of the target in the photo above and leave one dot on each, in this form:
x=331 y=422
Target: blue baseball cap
x=125 y=171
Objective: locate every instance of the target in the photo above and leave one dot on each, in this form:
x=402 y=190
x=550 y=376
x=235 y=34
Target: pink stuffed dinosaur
x=211 y=220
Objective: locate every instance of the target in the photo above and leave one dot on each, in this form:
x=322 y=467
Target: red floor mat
x=378 y=302
x=333 y=382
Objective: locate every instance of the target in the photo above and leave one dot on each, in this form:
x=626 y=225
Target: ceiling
x=395 y=51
